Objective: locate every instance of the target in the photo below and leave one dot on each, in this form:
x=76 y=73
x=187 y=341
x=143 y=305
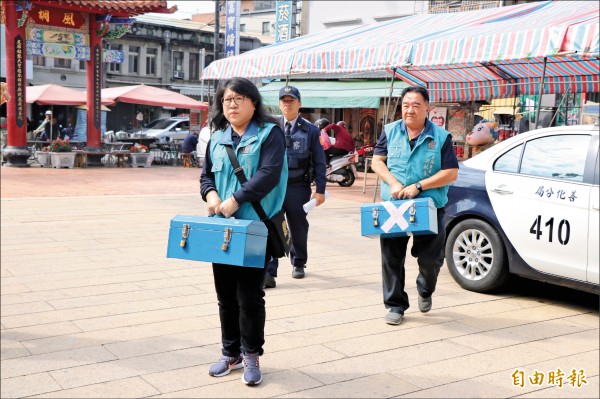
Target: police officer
x=306 y=162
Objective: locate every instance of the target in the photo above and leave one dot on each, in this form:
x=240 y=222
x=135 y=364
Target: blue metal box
x=397 y=218
x=215 y=239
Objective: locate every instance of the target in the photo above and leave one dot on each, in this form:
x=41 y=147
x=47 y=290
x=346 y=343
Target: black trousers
x=429 y=251
x=297 y=194
x=242 y=312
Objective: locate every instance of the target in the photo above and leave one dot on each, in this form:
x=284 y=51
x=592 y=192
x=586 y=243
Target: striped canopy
x=467 y=56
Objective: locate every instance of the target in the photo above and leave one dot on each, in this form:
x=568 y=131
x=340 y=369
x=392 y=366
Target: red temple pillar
x=16 y=152
x=94 y=86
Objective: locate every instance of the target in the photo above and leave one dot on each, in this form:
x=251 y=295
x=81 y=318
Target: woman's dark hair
x=243 y=87
x=417 y=89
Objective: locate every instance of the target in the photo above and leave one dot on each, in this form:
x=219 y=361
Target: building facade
x=158 y=51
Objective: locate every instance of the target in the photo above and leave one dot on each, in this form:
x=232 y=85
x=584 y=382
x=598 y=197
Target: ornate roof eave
x=117 y=8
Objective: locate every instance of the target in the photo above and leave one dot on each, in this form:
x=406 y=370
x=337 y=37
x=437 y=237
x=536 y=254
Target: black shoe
x=298 y=272
x=269 y=281
x=425 y=304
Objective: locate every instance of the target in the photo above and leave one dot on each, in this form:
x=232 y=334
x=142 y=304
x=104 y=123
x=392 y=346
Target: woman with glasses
x=239 y=121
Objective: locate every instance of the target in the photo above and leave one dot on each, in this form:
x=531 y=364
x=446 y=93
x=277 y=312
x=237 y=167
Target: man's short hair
x=416 y=89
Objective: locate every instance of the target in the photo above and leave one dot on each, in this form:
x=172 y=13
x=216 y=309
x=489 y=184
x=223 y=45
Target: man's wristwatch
x=419 y=186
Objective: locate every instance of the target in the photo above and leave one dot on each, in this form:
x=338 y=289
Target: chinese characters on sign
x=20 y=81
x=97 y=85
x=284 y=21
x=232 y=28
x=553 y=377
x=58 y=18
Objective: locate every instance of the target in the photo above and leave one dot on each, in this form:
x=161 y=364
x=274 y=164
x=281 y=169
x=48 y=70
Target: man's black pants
x=429 y=251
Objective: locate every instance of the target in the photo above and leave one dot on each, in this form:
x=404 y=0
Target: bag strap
x=239 y=173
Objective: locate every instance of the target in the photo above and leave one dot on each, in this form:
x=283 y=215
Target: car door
x=539 y=195
x=594 y=230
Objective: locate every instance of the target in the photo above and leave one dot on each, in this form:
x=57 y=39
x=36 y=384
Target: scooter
x=362 y=154
x=341 y=169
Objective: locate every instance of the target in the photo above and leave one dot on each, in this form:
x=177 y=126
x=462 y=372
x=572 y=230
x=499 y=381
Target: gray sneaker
x=225 y=365
x=252 y=374
x=298 y=272
x=269 y=281
x=393 y=318
x=425 y=304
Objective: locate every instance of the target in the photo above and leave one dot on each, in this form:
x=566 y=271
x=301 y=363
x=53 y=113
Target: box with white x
x=397 y=218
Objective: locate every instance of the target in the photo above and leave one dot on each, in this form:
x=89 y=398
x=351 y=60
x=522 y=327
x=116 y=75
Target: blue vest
x=410 y=166
x=248 y=155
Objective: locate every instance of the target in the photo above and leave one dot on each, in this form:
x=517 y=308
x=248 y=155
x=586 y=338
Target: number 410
x=564 y=229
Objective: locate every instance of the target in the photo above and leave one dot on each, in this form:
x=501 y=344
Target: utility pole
x=216 y=38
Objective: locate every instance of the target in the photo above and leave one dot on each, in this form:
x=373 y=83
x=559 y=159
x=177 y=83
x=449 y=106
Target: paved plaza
x=92 y=308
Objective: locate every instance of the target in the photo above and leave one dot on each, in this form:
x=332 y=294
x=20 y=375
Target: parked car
x=527 y=206
x=170 y=129
x=150 y=125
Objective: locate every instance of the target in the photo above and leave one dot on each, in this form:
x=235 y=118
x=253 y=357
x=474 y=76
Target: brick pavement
x=90 y=306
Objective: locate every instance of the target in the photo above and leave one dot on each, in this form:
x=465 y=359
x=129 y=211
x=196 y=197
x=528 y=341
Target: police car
x=527 y=206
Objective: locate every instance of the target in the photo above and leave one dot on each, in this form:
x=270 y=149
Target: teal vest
x=410 y=166
x=248 y=154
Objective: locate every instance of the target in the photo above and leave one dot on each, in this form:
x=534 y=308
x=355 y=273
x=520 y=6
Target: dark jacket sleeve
x=318 y=157
x=207 y=178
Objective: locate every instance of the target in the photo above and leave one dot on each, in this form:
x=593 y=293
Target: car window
x=163 y=124
x=153 y=123
x=184 y=125
x=509 y=161
x=559 y=157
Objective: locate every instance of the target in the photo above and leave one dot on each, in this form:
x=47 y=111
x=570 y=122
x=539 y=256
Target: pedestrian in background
x=306 y=162
x=190 y=142
x=240 y=122
x=403 y=149
x=344 y=142
x=42 y=126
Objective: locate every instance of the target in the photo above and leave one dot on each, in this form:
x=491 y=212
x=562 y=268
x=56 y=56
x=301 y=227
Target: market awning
x=51 y=94
x=335 y=94
x=191 y=90
x=465 y=56
x=149 y=95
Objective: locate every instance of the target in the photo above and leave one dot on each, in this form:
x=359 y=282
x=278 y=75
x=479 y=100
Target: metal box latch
x=185 y=232
x=226 y=238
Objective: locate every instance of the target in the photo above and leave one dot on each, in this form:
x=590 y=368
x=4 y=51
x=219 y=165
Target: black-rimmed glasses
x=237 y=100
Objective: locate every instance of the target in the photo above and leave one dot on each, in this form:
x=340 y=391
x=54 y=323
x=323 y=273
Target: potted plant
x=61 y=154
x=43 y=156
x=140 y=156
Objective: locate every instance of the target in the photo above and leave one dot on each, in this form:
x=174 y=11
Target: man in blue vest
x=413 y=158
x=306 y=163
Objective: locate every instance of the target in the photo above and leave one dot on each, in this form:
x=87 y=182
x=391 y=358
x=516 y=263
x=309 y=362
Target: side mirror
x=178 y=129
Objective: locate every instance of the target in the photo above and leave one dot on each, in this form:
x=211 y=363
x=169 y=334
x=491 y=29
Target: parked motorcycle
x=362 y=153
x=341 y=169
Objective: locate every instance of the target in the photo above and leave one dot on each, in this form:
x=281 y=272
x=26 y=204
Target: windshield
x=154 y=123
x=164 y=124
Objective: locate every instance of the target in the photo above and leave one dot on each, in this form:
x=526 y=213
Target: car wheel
x=476 y=257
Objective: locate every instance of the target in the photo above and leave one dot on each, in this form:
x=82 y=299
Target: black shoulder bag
x=278 y=240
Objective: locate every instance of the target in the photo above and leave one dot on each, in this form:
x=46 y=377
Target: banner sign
x=56 y=17
x=97 y=86
x=114 y=56
x=57 y=50
x=283 y=21
x=19 y=81
x=36 y=34
x=232 y=28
